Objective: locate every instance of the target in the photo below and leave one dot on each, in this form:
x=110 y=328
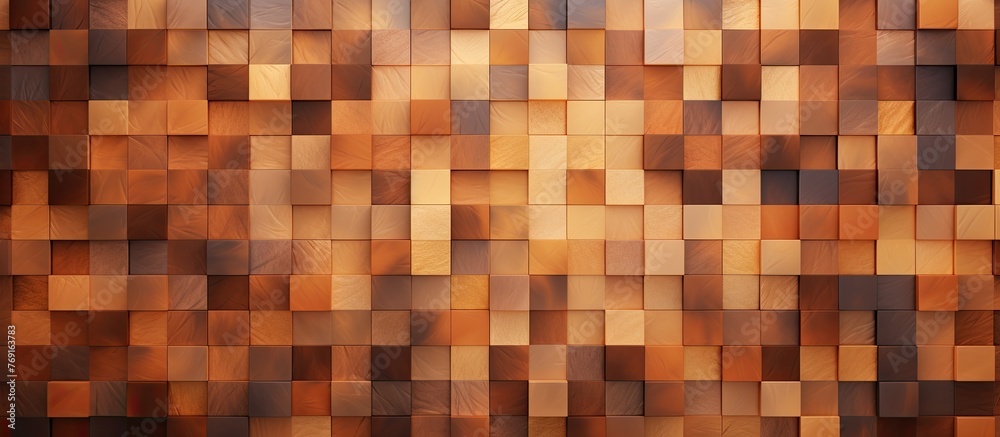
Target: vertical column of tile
x=861 y=222
x=227 y=153
x=741 y=228
x=192 y=355
x=740 y=363
x=355 y=186
x=462 y=159
x=187 y=124
x=312 y=288
x=601 y=65
x=291 y=292
x=390 y=298
x=936 y=99
x=556 y=60
x=394 y=118
x=505 y=215
x=592 y=75
x=455 y=195
x=703 y=196
x=780 y=158
x=779 y=152
x=741 y=214
x=548 y=258
x=27 y=244
x=663 y=213
x=68 y=287
x=430 y=321
x=313 y=293
x=289 y=332
x=289 y=319
x=625 y=253
x=557 y=56
x=707 y=257
x=509 y=284
x=431 y=336
x=936 y=110
x=514 y=78
x=984 y=273
x=896 y=147
x=819 y=211
x=857 y=332
x=472 y=365
x=897 y=160
x=534 y=328
x=973 y=214
x=781 y=254
x=108 y=118
x=274 y=121
x=64 y=223
x=25 y=186
x=155 y=366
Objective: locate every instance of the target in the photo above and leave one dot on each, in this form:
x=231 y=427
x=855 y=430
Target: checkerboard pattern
x=501 y=217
